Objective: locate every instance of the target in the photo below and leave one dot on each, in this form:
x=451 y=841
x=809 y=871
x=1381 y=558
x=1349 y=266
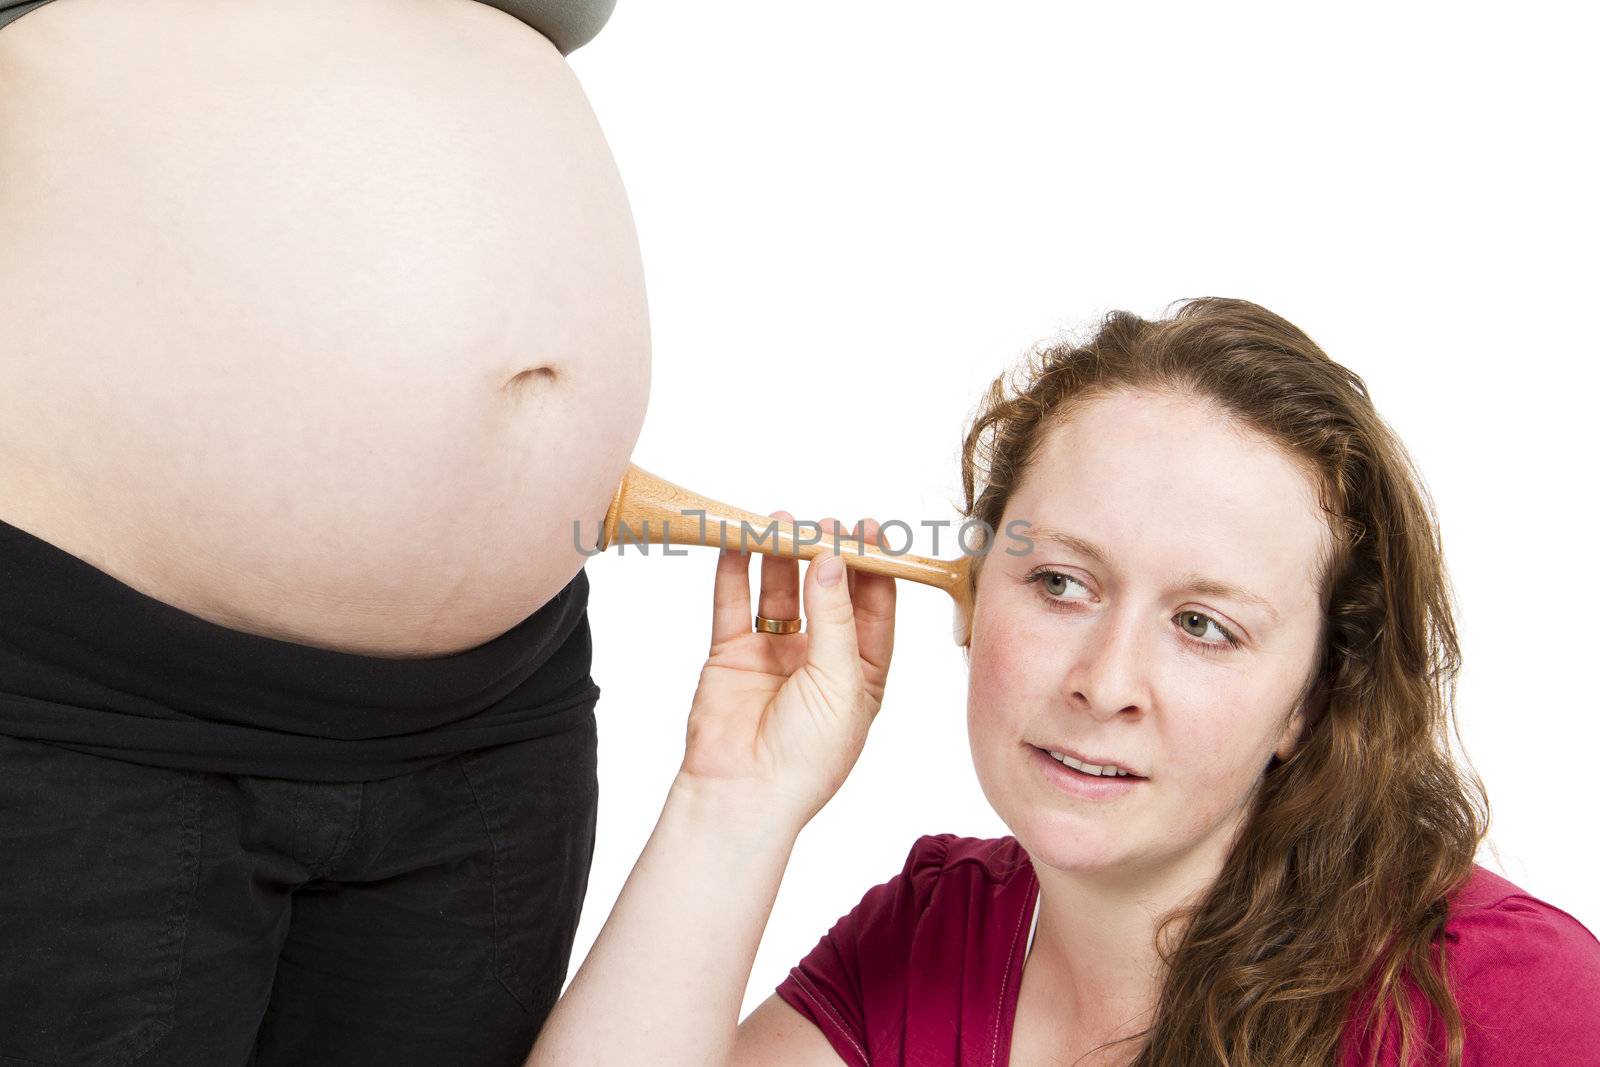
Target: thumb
x=832 y=649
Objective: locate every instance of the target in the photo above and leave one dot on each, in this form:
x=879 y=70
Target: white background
x=853 y=216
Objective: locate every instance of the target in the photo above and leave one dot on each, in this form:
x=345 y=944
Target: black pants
x=410 y=899
x=155 y=916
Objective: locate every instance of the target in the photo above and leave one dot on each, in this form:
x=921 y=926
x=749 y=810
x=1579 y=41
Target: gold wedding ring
x=765 y=625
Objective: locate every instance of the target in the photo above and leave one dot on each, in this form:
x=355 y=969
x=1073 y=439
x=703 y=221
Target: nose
x=1106 y=676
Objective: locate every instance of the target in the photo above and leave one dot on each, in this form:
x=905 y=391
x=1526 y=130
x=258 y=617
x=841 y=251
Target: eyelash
x=1038 y=577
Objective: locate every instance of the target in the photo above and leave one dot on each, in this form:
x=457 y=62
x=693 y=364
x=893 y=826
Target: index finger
x=874 y=600
x=730 y=596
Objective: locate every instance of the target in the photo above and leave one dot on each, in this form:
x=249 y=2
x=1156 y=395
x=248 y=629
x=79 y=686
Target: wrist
x=752 y=813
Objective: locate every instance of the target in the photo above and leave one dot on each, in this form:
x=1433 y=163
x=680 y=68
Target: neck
x=1095 y=953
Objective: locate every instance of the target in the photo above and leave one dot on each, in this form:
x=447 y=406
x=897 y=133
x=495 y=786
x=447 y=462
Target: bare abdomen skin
x=320 y=321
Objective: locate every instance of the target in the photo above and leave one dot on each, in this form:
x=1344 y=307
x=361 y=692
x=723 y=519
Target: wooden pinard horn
x=649 y=510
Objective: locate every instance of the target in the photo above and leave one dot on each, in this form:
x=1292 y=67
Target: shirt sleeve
x=858 y=970
x=1527 y=980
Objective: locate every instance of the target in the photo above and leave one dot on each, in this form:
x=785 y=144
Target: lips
x=1094 y=766
x=1076 y=783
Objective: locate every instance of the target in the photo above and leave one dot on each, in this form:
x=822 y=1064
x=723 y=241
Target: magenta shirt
x=924 y=971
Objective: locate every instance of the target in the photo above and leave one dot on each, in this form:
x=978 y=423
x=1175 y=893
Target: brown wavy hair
x=1333 y=897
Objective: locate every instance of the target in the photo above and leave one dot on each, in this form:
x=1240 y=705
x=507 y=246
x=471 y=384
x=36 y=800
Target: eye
x=1188 y=617
x=1054 y=583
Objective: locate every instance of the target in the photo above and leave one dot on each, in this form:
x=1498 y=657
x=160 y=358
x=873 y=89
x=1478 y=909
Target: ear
x=965 y=607
x=1291 y=734
x=1313 y=705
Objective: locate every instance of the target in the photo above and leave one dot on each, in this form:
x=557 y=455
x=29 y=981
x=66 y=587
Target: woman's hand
x=777 y=723
x=781 y=718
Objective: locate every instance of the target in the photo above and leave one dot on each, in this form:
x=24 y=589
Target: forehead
x=1167 y=484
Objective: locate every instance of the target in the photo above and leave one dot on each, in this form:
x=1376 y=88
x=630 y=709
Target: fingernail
x=830 y=569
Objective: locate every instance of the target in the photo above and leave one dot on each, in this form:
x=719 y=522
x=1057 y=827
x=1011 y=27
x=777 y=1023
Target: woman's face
x=1125 y=657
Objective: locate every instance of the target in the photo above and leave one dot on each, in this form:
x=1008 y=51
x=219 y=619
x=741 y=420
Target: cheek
x=1217 y=757
x=1003 y=676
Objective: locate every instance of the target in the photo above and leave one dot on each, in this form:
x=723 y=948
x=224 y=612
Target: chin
x=1067 y=841
x=1063 y=832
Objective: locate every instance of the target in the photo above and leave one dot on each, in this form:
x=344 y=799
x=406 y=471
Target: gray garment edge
x=569 y=24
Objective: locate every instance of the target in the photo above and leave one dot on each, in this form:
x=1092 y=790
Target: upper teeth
x=1107 y=771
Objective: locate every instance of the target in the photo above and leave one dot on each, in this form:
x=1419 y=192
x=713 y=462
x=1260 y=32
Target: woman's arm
x=777 y=1034
x=778 y=721
x=663 y=983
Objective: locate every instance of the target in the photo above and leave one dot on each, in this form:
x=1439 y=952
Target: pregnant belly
x=319 y=321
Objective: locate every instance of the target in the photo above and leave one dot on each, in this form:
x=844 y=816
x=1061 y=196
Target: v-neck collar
x=1006 y=1010
x=1037 y=897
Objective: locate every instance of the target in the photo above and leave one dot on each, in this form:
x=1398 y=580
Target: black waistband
x=91 y=663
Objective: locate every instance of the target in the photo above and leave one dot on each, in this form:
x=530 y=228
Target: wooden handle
x=649 y=510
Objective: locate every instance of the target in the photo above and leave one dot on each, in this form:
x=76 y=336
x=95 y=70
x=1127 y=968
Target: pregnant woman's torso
x=322 y=321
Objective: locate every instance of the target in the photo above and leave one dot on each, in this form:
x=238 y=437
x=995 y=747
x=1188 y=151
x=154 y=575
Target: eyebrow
x=1194 y=582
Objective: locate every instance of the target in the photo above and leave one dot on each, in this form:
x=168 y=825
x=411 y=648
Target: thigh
x=444 y=933
x=100 y=892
